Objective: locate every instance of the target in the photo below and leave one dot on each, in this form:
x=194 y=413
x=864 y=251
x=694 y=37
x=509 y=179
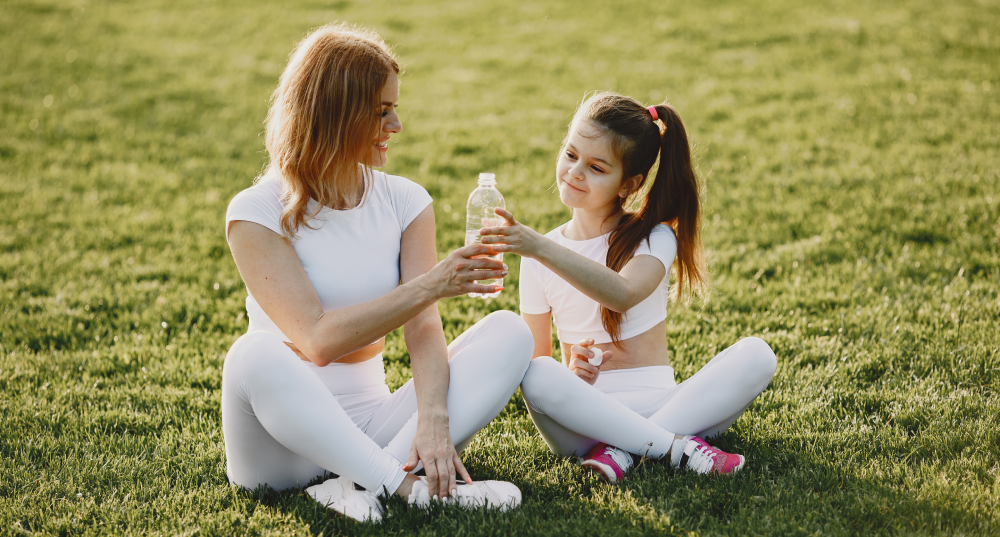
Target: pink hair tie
x=652 y=112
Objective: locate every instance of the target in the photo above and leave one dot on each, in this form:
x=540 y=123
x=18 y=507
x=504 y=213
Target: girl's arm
x=541 y=331
x=274 y=276
x=617 y=291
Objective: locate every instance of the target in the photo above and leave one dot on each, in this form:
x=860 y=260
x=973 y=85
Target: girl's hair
x=324 y=118
x=671 y=197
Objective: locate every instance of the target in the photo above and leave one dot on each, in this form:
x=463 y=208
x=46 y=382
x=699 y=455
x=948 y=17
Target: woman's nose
x=392 y=124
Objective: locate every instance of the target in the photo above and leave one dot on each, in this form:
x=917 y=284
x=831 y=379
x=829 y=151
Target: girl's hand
x=515 y=237
x=432 y=445
x=579 y=363
x=457 y=274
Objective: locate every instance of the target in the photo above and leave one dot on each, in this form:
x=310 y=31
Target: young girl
x=604 y=278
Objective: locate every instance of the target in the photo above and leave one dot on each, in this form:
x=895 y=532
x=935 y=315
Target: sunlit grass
x=849 y=152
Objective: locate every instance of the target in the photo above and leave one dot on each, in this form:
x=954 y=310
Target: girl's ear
x=629 y=186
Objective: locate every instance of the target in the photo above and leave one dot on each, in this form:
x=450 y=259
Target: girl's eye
x=570 y=156
x=597 y=169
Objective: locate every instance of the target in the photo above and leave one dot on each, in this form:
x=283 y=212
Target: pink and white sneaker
x=693 y=453
x=611 y=462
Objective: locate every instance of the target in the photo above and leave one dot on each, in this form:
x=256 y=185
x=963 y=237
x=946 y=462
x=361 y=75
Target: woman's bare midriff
x=646 y=349
x=361 y=355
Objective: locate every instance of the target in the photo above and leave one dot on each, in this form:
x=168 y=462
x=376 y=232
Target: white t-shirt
x=350 y=256
x=576 y=315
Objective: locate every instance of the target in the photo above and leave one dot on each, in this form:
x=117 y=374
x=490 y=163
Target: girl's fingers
x=507 y=215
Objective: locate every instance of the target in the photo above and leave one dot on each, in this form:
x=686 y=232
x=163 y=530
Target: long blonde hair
x=324 y=119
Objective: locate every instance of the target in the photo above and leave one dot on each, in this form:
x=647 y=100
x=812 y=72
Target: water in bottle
x=479 y=214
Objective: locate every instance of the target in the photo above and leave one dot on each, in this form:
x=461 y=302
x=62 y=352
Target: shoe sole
x=606 y=471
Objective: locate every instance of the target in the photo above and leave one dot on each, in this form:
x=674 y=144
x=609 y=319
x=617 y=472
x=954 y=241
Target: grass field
x=849 y=151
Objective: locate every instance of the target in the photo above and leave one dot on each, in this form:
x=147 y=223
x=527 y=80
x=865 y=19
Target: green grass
x=850 y=155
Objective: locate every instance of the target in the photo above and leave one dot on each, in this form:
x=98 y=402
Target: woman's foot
x=611 y=462
x=693 y=453
x=493 y=494
x=342 y=496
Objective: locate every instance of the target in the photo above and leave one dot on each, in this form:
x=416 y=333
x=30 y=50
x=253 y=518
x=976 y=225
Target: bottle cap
x=487 y=179
x=598 y=357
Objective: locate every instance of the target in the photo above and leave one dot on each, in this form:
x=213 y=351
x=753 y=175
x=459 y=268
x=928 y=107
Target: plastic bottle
x=479 y=214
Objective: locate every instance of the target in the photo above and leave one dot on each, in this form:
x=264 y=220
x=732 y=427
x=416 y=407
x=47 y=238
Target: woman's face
x=389 y=123
x=587 y=173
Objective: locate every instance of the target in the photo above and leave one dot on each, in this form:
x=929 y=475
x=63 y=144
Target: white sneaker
x=495 y=494
x=339 y=495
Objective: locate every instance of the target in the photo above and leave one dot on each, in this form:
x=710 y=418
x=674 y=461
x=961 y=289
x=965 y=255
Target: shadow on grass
x=784 y=490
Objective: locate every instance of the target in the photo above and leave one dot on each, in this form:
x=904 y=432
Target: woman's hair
x=325 y=117
x=671 y=197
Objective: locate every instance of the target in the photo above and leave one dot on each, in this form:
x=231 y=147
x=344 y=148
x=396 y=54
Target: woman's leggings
x=283 y=427
x=640 y=410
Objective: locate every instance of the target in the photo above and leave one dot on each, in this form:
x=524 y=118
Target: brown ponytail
x=672 y=195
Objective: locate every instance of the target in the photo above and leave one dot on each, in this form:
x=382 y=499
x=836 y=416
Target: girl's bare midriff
x=648 y=348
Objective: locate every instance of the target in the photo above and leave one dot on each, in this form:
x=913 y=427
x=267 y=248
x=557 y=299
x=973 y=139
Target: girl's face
x=390 y=123
x=587 y=173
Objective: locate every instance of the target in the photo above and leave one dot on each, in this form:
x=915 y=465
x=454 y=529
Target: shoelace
x=702 y=460
x=621 y=458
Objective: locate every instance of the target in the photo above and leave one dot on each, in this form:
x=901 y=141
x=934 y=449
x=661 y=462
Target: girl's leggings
x=640 y=410
x=286 y=422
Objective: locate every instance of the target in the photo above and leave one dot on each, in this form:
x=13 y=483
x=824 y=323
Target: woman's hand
x=579 y=361
x=456 y=274
x=433 y=446
x=515 y=237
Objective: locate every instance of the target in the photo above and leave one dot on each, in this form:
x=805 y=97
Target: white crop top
x=350 y=256
x=576 y=315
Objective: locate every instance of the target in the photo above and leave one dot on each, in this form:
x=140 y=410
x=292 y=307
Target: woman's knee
x=515 y=330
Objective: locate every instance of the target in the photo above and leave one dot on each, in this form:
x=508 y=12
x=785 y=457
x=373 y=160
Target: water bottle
x=479 y=214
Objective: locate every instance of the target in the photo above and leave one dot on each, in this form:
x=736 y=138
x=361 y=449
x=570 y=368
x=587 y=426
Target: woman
x=336 y=255
x=604 y=278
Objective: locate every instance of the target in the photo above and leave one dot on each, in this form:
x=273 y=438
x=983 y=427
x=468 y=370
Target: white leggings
x=285 y=423
x=641 y=409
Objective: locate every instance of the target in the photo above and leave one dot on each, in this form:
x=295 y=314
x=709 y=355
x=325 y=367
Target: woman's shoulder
x=407 y=198
x=260 y=203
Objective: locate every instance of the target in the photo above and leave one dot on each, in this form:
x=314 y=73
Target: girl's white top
x=577 y=316
x=349 y=256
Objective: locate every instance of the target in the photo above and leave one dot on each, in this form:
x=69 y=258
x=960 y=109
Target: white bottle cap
x=487 y=179
x=598 y=358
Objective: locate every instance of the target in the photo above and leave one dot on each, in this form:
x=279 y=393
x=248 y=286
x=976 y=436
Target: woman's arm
x=617 y=291
x=274 y=275
x=429 y=361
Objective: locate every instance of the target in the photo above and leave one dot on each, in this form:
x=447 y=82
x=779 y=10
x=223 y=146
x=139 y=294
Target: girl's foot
x=693 y=453
x=609 y=461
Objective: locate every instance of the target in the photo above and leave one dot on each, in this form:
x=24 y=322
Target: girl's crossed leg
x=574 y=416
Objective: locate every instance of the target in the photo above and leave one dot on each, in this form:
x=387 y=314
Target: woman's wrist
x=425 y=289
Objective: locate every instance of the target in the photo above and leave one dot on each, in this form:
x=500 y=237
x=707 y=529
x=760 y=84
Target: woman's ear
x=629 y=186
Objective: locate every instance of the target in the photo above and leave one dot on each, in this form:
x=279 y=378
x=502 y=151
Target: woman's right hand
x=457 y=274
x=579 y=361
